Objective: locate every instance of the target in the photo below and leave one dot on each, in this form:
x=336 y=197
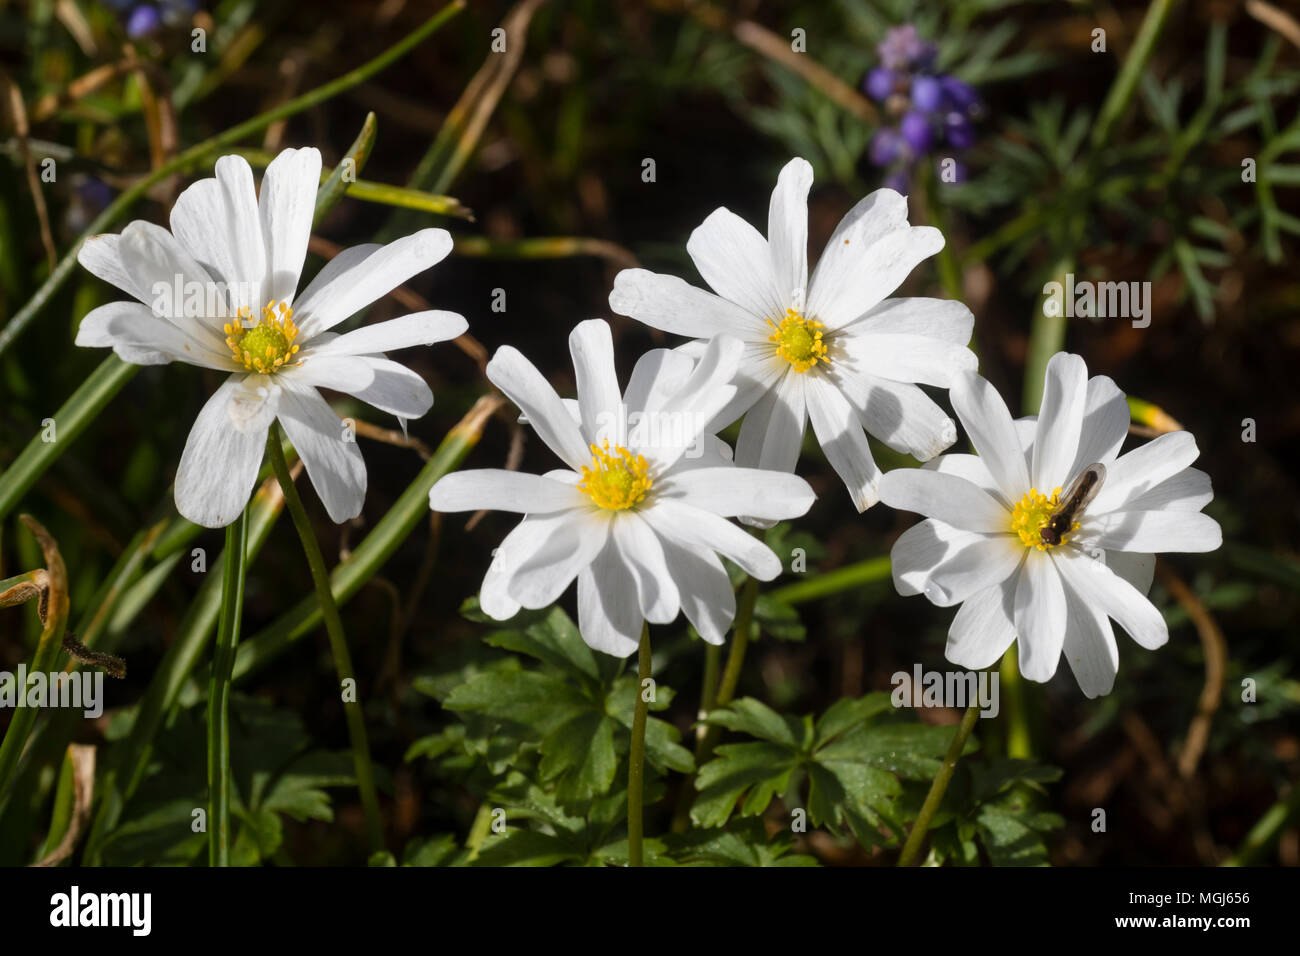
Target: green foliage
x=853 y=761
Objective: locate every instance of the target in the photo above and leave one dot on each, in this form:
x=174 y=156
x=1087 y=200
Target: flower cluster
x=144 y=19
x=1044 y=537
x=927 y=110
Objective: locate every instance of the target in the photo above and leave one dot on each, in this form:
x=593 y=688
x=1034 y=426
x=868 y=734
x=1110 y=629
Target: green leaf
x=585 y=746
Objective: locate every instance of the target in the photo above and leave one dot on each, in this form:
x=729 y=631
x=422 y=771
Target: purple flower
x=917 y=131
x=143 y=21
x=886 y=146
x=960 y=96
x=903 y=49
x=879 y=84
x=959 y=131
x=927 y=93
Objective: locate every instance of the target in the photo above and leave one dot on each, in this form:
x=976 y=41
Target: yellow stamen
x=617 y=479
x=266 y=346
x=798 y=341
x=1031 y=513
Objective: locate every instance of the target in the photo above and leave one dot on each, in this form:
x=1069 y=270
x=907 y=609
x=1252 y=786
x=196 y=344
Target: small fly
x=1081 y=491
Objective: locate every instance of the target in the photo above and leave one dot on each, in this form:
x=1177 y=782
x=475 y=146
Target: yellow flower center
x=798 y=340
x=617 y=479
x=1031 y=514
x=266 y=346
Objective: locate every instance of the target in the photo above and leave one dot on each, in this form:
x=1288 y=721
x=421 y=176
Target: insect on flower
x=1082 y=490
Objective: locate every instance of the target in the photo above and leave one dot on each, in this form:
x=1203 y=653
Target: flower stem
x=1019 y=743
x=338 y=644
x=739 y=643
x=223 y=660
x=636 y=756
x=915 y=839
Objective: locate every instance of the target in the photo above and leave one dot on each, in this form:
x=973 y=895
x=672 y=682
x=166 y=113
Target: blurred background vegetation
x=1070 y=164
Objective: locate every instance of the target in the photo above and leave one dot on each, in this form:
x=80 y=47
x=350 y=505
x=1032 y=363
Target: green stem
x=199 y=152
x=1266 y=830
x=1019 y=743
x=848 y=578
x=1126 y=83
x=915 y=839
x=739 y=643
x=636 y=756
x=338 y=644
x=223 y=660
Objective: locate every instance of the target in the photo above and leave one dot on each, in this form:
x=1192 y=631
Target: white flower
x=835 y=350
x=641 y=509
x=217 y=291
x=981 y=545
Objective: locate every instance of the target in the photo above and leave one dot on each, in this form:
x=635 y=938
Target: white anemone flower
x=218 y=291
x=982 y=546
x=834 y=350
x=639 y=515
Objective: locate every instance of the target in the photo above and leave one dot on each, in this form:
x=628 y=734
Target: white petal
x=600 y=401
x=387 y=385
x=949 y=498
x=1105 y=424
x=333 y=460
x=839 y=432
x=991 y=431
x=730 y=491
x=948 y=565
x=99 y=255
x=699 y=529
x=657 y=375
x=219 y=464
x=493 y=489
x=1110 y=594
x=657 y=594
x=864 y=263
x=703 y=587
x=142 y=338
x=970 y=467
x=945 y=319
x=772 y=432
x=286 y=208
x=1090 y=646
x=527 y=388
x=837 y=283
x=1151 y=531
x=1189 y=490
x=418 y=328
x=1138 y=471
x=160 y=264
x=735 y=261
x=1060 y=420
x=907 y=358
x=351 y=290
x=516 y=548
x=673 y=305
x=787 y=230
x=984 y=627
x=899 y=414
x=1040 y=616
x=1134 y=567
x=547 y=573
x=254 y=403
x=608 y=616
x=322 y=286
x=217 y=222
x=666 y=435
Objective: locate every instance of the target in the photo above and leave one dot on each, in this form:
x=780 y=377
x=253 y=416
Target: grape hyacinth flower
x=926 y=111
